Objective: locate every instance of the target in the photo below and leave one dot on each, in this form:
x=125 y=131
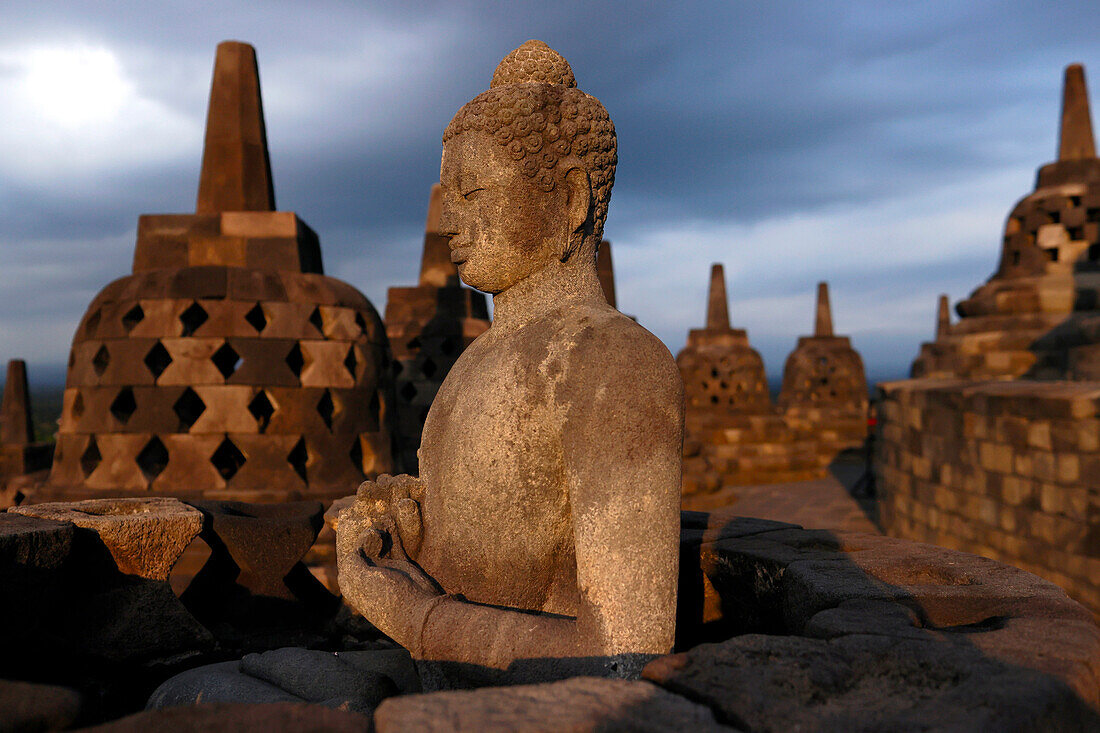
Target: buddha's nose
x=447 y=227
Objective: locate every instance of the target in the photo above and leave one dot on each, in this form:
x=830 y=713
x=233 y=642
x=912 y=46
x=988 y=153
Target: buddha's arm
x=622 y=441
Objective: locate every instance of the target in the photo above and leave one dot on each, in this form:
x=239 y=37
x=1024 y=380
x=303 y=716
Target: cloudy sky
x=878 y=146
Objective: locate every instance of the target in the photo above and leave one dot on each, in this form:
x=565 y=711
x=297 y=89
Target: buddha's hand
x=397 y=497
x=379 y=581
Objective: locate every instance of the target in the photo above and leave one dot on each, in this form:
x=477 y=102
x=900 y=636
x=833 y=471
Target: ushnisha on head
x=534 y=121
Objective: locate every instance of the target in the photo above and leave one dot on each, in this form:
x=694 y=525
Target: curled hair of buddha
x=534 y=110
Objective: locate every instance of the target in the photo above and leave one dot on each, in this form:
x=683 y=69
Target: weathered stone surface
x=580 y=704
x=544 y=522
x=861 y=683
x=27 y=707
x=275 y=717
x=865 y=632
x=145 y=536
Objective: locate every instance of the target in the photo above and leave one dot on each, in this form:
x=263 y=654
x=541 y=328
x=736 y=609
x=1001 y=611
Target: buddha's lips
x=458 y=256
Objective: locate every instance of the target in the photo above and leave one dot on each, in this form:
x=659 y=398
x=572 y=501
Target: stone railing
x=1006 y=469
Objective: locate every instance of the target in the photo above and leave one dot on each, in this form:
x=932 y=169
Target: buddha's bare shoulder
x=605 y=346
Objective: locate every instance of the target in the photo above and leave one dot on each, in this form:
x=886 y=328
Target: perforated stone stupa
x=824 y=386
x=428 y=326
x=733 y=432
x=1038 y=316
x=227 y=365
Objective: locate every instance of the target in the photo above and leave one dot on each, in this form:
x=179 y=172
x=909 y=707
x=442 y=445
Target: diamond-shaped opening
x=100 y=361
x=350 y=362
x=298 y=457
x=228 y=459
x=188 y=408
x=158 y=359
x=91 y=323
x=90 y=458
x=124 y=405
x=408 y=391
x=78 y=405
x=192 y=318
x=226 y=360
x=326 y=409
x=256 y=318
x=261 y=409
x=361 y=322
x=414 y=343
x=448 y=346
x=133 y=317
x=398 y=367
x=153 y=458
x=429 y=368
x=315 y=319
x=295 y=361
x=357 y=454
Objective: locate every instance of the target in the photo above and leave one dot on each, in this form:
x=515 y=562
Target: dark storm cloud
x=877 y=145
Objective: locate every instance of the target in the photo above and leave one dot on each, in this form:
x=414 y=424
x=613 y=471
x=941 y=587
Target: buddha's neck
x=559 y=284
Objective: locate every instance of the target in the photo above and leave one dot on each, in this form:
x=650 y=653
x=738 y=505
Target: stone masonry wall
x=1005 y=469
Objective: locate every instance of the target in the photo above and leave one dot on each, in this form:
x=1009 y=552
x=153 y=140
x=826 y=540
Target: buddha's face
x=502 y=226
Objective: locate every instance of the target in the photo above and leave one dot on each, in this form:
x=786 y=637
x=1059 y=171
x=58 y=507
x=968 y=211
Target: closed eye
x=469 y=195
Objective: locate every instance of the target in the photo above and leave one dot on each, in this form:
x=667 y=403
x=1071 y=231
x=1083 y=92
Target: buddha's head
x=527 y=172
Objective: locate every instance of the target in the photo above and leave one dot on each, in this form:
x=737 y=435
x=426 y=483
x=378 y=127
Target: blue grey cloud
x=875 y=145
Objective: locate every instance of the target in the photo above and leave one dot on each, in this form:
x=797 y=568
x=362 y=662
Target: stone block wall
x=1005 y=469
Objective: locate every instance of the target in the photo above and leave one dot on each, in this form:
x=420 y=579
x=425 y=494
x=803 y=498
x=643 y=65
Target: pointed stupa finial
x=436 y=268
x=718 y=314
x=943 y=317
x=16 y=427
x=606 y=272
x=1076 y=141
x=236 y=170
x=823 y=317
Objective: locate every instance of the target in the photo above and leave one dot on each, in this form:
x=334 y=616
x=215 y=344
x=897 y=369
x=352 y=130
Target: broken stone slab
x=274 y=717
x=579 y=704
x=356 y=681
x=144 y=536
x=862 y=682
x=33 y=541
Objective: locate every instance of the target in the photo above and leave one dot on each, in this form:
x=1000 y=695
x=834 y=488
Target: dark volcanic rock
x=275 y=717
x=27 y=707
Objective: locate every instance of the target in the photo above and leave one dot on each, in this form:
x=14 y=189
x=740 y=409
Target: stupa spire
x=1076 y=141
x=436 y=268
x=823 y=317
x=943 y=317
x=16 y=427
x=236 y=170
x=718 y=314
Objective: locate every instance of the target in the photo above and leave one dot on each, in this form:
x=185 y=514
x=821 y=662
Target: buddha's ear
x=578 y=193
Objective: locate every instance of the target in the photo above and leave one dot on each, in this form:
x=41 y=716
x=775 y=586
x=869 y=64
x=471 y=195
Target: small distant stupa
x=824 y=385
x=429 y=326
x=734 y=435
x=20 y=455
x=227 y=365
x=1039 y=314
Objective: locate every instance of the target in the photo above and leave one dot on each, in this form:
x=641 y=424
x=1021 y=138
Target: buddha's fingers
x=409 y=525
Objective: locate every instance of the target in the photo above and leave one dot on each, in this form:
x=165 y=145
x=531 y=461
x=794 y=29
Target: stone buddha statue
x=544 y=524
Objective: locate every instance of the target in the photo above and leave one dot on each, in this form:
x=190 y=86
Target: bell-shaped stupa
x=1039 y=314
x=227 y=366
x=428 y=326
x=733 y=433
x=825 y=387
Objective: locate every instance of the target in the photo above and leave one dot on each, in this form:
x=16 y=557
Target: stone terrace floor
x=821 y=504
